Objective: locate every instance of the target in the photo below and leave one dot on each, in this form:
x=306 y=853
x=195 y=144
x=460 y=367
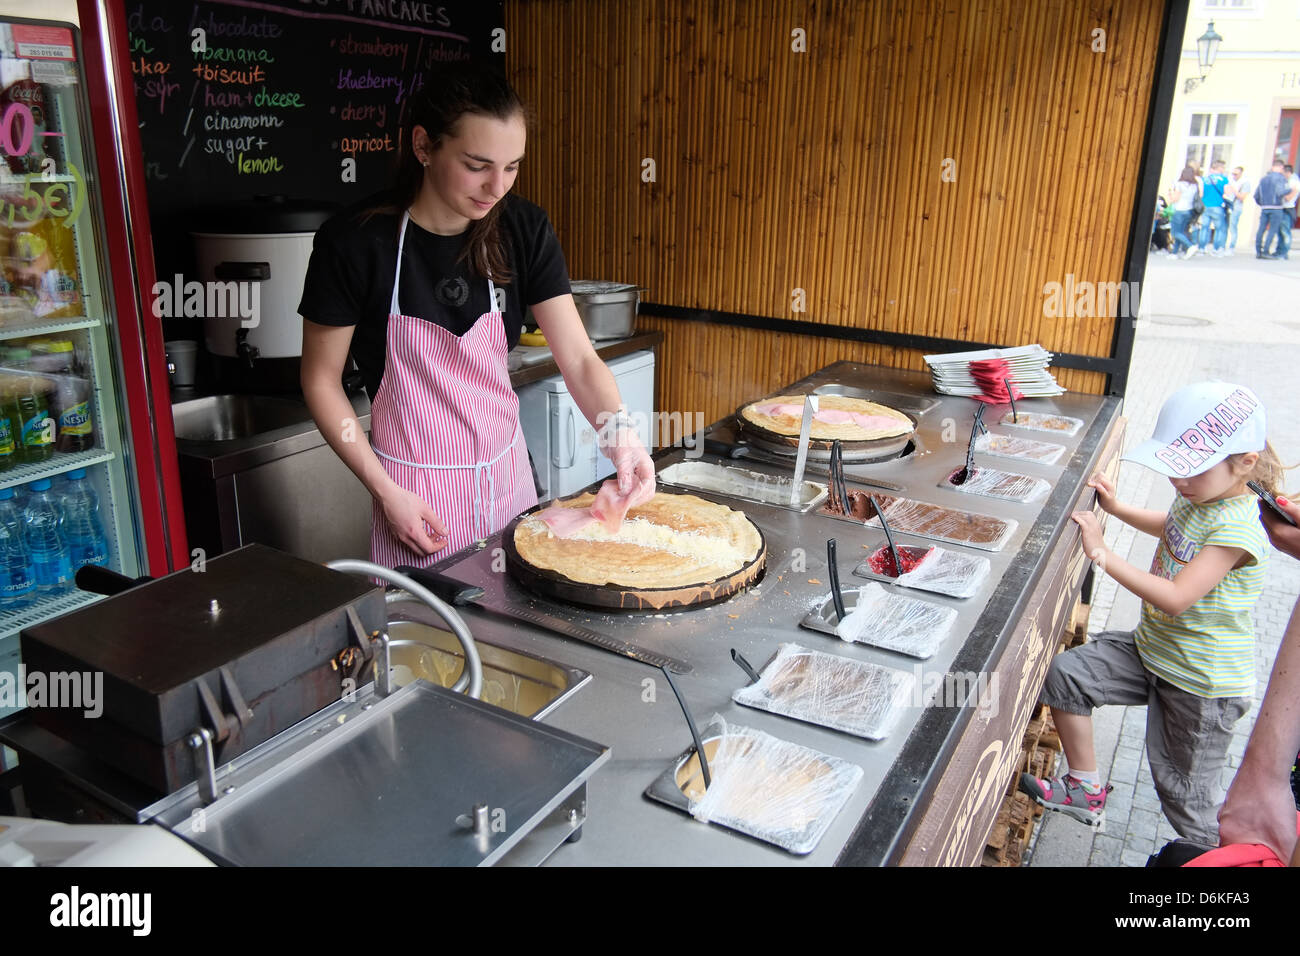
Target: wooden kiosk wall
x=923 y=168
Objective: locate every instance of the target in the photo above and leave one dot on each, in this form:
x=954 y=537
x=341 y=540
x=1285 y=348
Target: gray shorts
x=1187 y=736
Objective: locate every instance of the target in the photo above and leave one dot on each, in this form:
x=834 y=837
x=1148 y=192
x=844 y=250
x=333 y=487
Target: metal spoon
x=744 y=665
x=1011 y=396
x=893 y=549
x=835 y=580
x=690 y=722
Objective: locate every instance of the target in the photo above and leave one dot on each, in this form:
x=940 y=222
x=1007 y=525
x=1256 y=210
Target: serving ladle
x=889 y=536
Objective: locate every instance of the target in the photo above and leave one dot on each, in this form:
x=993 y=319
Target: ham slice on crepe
x=566 y=522
x=609 y=508
x=829 y=416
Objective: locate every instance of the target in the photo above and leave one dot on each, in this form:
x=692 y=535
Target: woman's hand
x=631 y=461
x=1284 y=537
x=1105 y=488
x=411 y=520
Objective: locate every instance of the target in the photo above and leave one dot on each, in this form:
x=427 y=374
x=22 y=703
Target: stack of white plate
x=1028 y=365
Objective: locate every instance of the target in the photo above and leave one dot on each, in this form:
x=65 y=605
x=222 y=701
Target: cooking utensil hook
x=744 y=665
x=690 y=722
x=835 y=579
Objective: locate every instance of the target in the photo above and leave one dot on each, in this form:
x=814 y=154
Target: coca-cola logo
x=29 y=93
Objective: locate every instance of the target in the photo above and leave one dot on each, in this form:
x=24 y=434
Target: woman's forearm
x=594 y=388
x=1275 y=740
x=337 y=421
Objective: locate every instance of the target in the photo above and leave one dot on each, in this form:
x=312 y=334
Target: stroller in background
x=1161 y=240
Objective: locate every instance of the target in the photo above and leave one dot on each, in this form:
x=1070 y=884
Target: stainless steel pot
x=608 y=309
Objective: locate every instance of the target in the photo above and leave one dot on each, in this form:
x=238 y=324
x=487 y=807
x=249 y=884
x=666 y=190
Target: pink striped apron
x=445 y=425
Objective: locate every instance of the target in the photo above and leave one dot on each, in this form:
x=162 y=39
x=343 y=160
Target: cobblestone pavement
x=1235 y=319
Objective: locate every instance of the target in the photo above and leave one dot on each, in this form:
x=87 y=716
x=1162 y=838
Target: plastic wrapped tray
x=773 y=790
x=1042 y=422
x=856 y=697
x=936 y=569
x=1025 y=449
x=884 y=619
x=742 y=483
x=992 y=483
x=925 y=520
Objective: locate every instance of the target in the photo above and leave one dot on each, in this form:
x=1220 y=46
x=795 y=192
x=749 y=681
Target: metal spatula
x=801 y=462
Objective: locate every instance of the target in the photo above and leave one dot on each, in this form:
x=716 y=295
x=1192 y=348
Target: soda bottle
x=36 y=428
x=87 y=543
x=45 y=541
x=17 y=574
x=8 y=438
x=75 y=423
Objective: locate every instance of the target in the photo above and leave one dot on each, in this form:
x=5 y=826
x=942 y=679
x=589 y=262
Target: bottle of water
x=17 y=574
x=87 y=543
x=45 y=541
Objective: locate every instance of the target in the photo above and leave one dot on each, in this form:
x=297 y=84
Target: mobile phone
x=1267 y=498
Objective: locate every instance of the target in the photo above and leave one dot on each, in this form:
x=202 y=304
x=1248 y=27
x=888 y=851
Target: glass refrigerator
x=83 y=389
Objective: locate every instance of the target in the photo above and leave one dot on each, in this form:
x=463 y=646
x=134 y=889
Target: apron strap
x=393 y=308
x=397 y=274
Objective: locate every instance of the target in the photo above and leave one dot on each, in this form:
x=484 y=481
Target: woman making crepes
x=426 y=287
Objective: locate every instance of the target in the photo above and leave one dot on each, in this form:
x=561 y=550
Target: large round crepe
x=670 y=541
x=899 y=424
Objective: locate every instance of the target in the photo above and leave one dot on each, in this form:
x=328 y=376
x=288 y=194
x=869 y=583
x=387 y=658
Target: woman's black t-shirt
x=354 y=258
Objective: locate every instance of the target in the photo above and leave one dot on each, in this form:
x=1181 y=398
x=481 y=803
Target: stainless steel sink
x=230 y=417
x=522 y=684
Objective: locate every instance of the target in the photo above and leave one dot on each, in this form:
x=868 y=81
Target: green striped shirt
x=1208 y=650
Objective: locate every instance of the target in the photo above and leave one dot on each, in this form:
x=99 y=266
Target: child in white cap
x=1191 y=659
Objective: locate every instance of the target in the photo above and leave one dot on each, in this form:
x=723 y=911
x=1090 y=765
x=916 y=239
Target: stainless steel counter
x=629 y=707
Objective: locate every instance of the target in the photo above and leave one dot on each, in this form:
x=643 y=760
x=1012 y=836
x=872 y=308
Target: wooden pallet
x=1014 y=826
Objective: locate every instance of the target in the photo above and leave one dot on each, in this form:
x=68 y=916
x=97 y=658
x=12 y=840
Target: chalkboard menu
x=302 y=98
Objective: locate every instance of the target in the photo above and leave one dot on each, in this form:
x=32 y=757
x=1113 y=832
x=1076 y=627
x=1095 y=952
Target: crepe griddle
x=248 y=641
x=617 y=597
x=854 y=451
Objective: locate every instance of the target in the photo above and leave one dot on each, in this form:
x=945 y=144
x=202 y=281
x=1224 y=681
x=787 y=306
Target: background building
x=1246 y=108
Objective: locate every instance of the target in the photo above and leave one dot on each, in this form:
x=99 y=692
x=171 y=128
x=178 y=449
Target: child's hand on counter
x=1105 y=489
x=1094 y=544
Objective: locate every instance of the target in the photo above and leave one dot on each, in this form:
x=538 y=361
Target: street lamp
x=1207 y=48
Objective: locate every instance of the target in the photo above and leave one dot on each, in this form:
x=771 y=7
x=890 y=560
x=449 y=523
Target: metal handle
x=471 y=682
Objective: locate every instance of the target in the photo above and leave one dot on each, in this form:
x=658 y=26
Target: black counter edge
x=902 y=340
x=885 y=829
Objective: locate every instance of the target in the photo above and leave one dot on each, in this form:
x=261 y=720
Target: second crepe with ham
x=837 y=417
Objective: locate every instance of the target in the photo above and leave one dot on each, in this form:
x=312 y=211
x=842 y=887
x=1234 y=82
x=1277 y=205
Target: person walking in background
x=1270 y=193
x=1283 y=250
x=1212 y=218
x=1235 y=194
x=1182 y=194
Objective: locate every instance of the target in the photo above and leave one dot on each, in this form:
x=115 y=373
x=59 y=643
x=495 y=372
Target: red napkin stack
x=993 y=376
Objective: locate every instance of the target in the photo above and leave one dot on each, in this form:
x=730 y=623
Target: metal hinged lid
x=249 y=622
